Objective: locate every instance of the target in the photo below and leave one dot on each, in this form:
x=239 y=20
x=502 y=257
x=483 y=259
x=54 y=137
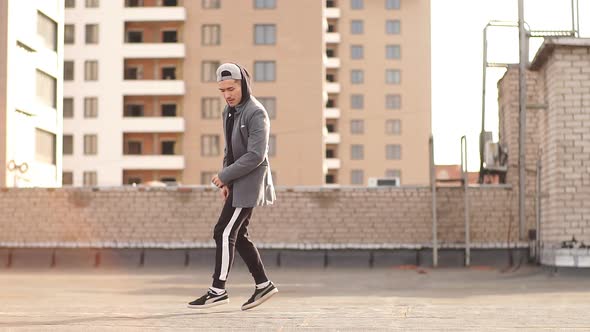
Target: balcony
x=332 y=62
x=332 y=138
x=332 y=113
x=153 y=125
x=153 y=87
x=332 y=87
x=332 y=163
x=154 y=50
x=154 y=14
x=332 y=38
x=150 y=162
x=332 y=12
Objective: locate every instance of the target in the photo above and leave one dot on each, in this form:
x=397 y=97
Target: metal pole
x=522 y=127
x=434 y=220
x=573 y=19
x=483 y=102
x=538 y=232
x=465 y=177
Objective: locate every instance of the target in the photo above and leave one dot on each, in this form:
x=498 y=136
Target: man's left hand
x=216 y=181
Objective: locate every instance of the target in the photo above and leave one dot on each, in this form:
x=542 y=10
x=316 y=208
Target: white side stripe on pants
x=225 y=245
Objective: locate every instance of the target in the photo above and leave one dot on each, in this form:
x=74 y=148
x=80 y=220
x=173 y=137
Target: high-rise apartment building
x=31 y=58
x=340 y=80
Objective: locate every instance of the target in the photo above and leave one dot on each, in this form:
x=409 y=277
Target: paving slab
x=361 y=299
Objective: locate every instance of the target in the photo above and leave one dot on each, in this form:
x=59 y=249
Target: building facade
x=31 y=58
x=141 y=103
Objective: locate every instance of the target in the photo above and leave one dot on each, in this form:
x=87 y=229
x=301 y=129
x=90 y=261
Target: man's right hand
x=224 y=192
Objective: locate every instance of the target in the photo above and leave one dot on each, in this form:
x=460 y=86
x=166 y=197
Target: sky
x=457 y=64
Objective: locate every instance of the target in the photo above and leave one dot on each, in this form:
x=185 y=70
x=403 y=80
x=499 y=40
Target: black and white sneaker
x=259 y=296
x=209 y=300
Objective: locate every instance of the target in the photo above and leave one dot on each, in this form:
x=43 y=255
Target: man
x=245 y=182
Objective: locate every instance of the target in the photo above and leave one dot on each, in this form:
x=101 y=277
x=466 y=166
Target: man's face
x=231 y=91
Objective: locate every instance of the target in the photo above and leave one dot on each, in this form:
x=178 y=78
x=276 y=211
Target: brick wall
x=566 y=207
x=301 y=218
x=558 y=130
x=509 y=135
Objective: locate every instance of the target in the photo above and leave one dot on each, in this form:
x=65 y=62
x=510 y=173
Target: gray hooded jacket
x=250 y=174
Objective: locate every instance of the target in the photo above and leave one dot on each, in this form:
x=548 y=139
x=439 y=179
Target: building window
x=264 y=71
x=90 y=107
x=392 y=76
x=168 y=147
x=133 y=3
x=393 y=52
x=330 y=179
x=170 y=3
x=91 y=70
x=91 y=33
x=69 y=34
x=135 y=36
x=392 y=4
x=330 y=3
x=206 y=177
x=272 y=145
x=90 y=144
x=70 y=3
x=133 y=73
x=210 y=108
x=168 y=110
x=331 y=103
x=170 y=36
x=265 y=4
x=46 y=89
x=357 y=76
x=47 y=29
x=45 y=147
x=210 y=34
x=134 y=147
x=330 y=153
x=265 y=34
x=330 y=53
x=68 y=145
x=393 y=127
x=356 y=27
x=92 y=3
x=393 y=152
x=90 y=179
x=134 y=180
x=357 y=152
x=68 y=108
x=357 y=176
x=68 y=70
x=209 y=145
x=208 y=71
x=357 y=102
x=393 y=173
x=133 y=110
x=169 y=73
x=67 y=178
x=357 y=4
x=393 y=102
x=393 y=27
x=211 y=4
x=270 y=104
x=357 y=127
x=356 y=51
